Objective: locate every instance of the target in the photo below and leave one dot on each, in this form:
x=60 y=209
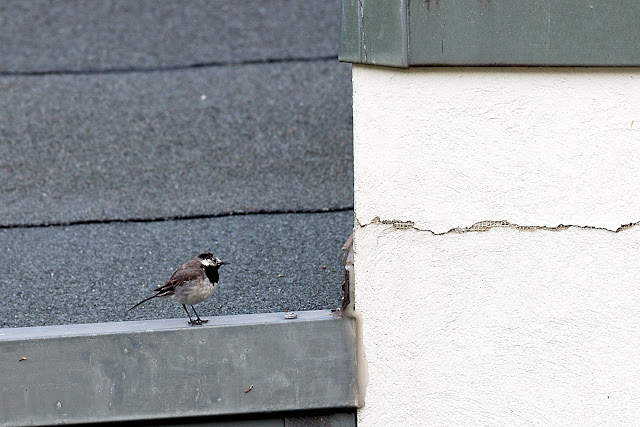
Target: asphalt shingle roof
x=179 y=143
x=93 y=272
x=43 y=36
x=117 y=114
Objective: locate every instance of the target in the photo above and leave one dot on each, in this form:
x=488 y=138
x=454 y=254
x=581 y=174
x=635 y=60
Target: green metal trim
x=384 y=39
x=350 y=37
x=405 y=33
x=125 y=371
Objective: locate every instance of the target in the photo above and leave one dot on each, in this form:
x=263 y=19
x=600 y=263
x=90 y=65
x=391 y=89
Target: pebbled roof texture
x=132 y=135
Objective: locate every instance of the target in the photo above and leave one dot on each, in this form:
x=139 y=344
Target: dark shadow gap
x=170 y=67
x=175 y=218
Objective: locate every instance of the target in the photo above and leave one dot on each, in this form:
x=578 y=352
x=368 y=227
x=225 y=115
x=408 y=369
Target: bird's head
x=208 y=259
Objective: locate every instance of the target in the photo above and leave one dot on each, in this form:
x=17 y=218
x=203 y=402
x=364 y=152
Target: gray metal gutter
x=164 y=368
x=406 y=33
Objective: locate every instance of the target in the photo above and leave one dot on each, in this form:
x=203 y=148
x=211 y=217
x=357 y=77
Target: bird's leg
x=199 y=320
x=185 y=309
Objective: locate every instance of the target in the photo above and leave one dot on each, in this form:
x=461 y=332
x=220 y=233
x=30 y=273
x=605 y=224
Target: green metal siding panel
x=476 y=33
x=350 y=46
x=384 y=39
x=491 y=32
x=374 y=32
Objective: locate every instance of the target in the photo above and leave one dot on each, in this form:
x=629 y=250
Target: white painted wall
x=509 y=326
x=448 y=147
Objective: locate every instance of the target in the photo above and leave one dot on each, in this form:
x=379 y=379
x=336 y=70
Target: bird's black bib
x=212 y=273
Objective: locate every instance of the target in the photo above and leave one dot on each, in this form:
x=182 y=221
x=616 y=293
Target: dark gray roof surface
x=41 y=35
x=239 y=138
x=104 y=118
x=93 y=272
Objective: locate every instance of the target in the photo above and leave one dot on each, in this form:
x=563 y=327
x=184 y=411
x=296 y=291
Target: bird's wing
x=184 y=273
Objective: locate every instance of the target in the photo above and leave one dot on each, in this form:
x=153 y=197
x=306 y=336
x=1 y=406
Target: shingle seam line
x=173 y=218
x=212 y=64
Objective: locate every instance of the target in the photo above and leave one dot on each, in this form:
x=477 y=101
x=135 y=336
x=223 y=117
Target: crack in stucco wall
x=350 y=310
x=488 y=225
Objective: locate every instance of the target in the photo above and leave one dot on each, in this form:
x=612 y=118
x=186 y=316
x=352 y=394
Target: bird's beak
x=224 y=263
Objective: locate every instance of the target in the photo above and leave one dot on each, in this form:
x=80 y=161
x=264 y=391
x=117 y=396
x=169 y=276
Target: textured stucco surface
x=510 y=326
x=533 y=146
x=502 y=327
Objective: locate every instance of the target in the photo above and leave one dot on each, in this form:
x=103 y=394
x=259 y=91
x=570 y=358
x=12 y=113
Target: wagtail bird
x=191 y=283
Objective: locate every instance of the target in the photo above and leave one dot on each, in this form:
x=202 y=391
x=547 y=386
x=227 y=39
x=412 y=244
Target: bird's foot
x=197 y=322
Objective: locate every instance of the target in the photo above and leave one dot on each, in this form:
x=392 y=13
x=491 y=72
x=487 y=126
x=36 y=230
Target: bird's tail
x=143 y=301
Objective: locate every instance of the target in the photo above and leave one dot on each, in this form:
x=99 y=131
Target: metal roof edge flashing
x=406 y=33
x=142 y=370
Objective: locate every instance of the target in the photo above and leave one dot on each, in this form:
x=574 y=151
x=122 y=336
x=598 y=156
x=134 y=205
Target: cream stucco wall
x=448 y=147
x=527 y=322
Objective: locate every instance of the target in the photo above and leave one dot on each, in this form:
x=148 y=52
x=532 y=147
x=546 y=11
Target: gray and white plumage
x=191 y=283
